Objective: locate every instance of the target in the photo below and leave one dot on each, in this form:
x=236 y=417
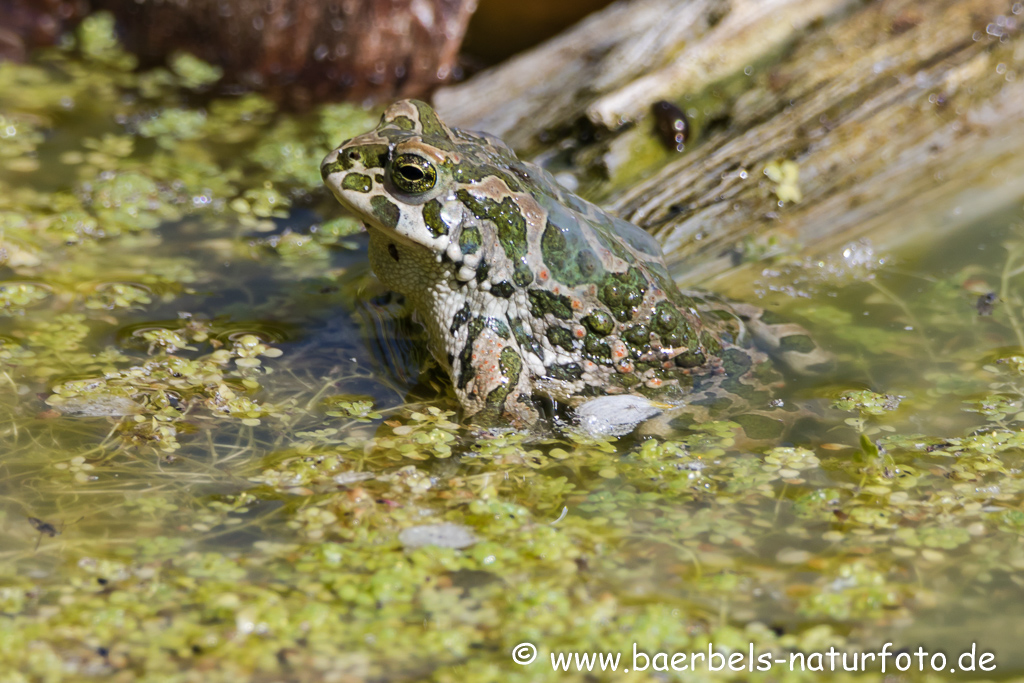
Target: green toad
x=530 y=293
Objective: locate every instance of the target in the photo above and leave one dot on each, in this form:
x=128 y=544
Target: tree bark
x=902 y=116
x=303 y=52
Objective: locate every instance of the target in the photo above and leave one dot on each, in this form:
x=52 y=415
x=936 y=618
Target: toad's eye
x=413 y=174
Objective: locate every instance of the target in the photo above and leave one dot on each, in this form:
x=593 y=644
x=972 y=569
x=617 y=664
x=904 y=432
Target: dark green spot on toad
x=511 y=366
x=357 y=182
x=498 y=326
x=502 y=289
x=525 y=340
x=469 y=174
x=432 y=218
x=666 y=318
x=623 y=293
x=403 y=123
x=599 y=322
x=638 y=335
x=597 y=348
x=466 y=369
x=432 y=127
x=510 y=226
x=370 y=156
x=460 y=318
x=333 y=167
x=568 y=255
x=567 y=372
x=385 y=210
x=543 y=302
x=690 y=359
x=469 y=240
x=559 y=336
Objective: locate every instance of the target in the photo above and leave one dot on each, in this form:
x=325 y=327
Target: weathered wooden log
x=898 y=114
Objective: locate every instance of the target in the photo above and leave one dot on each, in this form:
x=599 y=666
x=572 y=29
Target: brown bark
x=26 y=24
x=302 y=51
x=307 y=50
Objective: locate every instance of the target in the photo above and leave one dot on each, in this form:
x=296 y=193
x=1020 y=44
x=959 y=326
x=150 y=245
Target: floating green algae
x=212 y=435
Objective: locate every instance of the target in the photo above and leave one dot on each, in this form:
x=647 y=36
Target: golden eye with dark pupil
x=413 y=174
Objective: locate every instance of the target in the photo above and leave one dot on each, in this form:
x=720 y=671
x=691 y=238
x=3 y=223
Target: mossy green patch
x=369 y=156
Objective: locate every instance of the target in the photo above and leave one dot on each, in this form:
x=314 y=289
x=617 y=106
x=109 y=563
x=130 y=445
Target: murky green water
x=214 y=430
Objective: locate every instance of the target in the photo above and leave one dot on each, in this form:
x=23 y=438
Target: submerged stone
x=444 y=535
x=615 y=415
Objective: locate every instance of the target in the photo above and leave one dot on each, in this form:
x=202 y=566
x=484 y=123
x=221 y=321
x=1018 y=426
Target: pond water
x=215 y=436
